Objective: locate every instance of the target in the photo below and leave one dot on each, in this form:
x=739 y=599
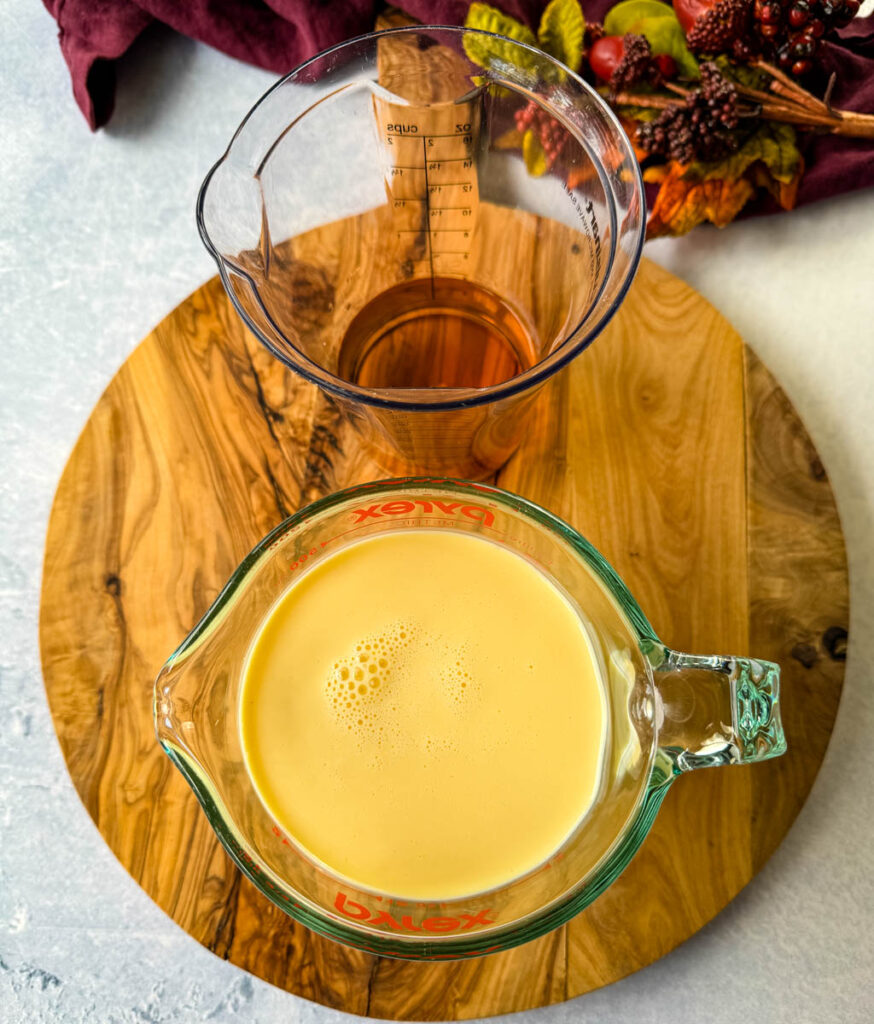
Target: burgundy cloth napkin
x=279 y=34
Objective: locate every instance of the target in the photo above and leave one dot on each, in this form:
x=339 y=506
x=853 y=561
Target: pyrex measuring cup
x=389 y=224
x=667 y=713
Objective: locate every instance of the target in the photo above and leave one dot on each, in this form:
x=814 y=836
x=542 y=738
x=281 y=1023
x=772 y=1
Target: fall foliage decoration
x=710 y=92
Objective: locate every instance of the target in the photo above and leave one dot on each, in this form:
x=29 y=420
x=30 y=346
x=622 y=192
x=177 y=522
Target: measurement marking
x=430 y=135
x=451 y=252
x=419 y=167
x=410 y=199
x=435 y=208
x=428 y=207
x=450 y=231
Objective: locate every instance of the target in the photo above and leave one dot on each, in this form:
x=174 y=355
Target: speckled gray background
x=97 y=243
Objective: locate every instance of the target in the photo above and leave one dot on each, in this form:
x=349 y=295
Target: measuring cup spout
x=230 y=212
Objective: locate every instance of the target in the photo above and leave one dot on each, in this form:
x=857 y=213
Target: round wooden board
x=667 y=444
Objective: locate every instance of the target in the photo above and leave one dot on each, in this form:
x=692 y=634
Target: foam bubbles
x=455 y=678
x=361 y=675
x=390 y=683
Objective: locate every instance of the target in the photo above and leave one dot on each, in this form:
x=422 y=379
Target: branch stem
x=784 y=107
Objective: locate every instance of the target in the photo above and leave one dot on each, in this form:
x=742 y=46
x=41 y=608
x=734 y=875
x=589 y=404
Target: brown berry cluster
x=635 y=65
x=593 y=31
x=723 y=27
x=700 y=127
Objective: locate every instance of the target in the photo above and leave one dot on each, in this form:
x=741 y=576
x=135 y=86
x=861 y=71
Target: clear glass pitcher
x=387 y=221
x=668 y=713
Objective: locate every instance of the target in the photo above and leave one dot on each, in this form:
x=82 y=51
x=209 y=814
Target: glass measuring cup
x=668 y=713
x=384 y=228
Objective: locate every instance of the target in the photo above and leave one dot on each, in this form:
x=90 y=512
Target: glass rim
x=541 y=516
x=301 y=907
x=435 y=947
x=576 y=340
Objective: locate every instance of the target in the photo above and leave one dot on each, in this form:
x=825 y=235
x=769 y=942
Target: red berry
x=605 y=54
x=771 y=14
x=801 y=67
x=815 y=28
x=802 y=47
x=666 y=65
x=688 y=11
x=798 y=16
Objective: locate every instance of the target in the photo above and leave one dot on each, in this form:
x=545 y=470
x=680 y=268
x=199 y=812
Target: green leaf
x=772 y=144
x=743 y=74
x=561 y=32
x=658 y=24
x=485 y=52
x=636 y=9
x=533 y=154
x=638 y=113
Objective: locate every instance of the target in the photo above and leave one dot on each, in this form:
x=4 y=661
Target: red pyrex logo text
x=463 y=922
x=404 y=508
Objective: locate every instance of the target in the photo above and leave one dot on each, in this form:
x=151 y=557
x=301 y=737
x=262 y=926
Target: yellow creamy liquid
x=423 y=714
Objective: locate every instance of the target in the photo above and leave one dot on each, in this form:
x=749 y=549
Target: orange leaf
x=630 y=127
x=682 y=204
x=612 y=158
x=511 y=139
x=785 y=192
x=577 y=176
x=656 y=174
x=788 y=193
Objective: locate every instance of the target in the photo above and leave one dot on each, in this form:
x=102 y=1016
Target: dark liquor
x=438 y=332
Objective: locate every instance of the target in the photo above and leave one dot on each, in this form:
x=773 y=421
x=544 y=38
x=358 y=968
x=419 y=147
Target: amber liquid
x=437 y=332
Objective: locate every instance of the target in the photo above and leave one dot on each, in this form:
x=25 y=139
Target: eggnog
x=423 y=713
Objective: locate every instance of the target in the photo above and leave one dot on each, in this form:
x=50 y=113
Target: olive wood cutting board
x=667 y=444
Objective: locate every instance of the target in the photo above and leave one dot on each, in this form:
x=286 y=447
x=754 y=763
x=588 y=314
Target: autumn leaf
x=655 y=175
x=485 y=52
x=629 y=126
x=561 y=32
x=773 y=145
x=682 y=204
x=786 y=193
x=534 y=155
x=658 y=24
x=580 y=175
x=612 y=160
x=717 y=191
x=510 y=139
x=635 y=114
x=743 y=74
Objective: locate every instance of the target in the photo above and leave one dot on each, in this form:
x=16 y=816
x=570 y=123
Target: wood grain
x=668 y=444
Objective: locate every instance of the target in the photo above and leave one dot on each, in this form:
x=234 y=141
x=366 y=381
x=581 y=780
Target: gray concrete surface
x=97 y=243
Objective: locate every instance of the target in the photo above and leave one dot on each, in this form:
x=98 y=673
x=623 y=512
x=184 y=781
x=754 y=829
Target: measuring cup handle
x=717 y=710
